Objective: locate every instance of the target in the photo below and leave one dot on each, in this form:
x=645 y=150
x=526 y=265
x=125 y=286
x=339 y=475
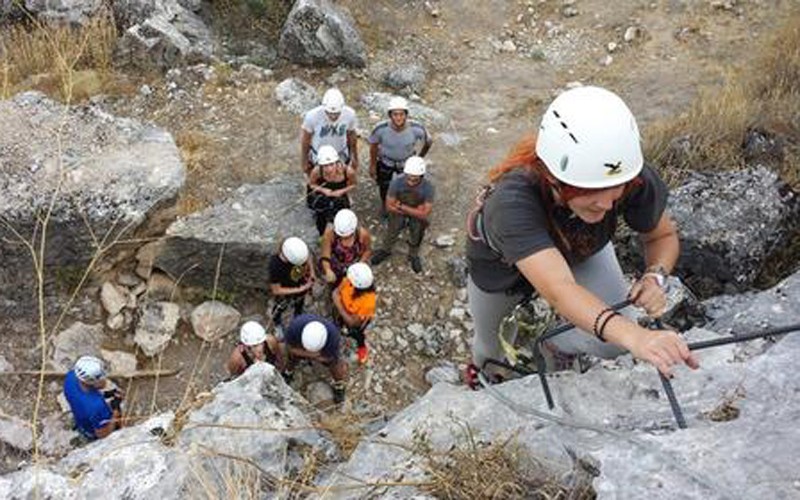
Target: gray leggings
x=600 y=274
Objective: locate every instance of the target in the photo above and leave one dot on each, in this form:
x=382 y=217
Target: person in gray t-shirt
x=409 y=202
x=547 y=222
x=392 y=142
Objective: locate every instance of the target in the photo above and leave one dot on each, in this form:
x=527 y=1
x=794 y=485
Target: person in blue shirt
x=315 y=338
x=95 y=401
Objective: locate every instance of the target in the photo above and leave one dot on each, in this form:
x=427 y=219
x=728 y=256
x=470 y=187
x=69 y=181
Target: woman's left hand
x=647 y=294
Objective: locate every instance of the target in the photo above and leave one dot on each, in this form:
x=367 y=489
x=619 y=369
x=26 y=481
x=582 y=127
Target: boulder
x=162 y=35
x=729 y=223
x=118 y=177
x=156 y=326
x=113 y=297
x=296 y=95
x=318 y=33
x=64 y=11
x=78 y=340
x=161 y=43
x=243 y=443
x=119 y=362
x=408 y=79
x=15 y=432
x=244 y=230
x=376 y=103
x=756 y=311
x=739 y=415
x=212 y=320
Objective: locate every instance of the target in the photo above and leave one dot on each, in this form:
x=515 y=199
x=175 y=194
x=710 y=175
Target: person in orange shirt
x=355 y=300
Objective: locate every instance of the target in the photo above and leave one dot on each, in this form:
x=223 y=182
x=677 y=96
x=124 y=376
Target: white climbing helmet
x=345 y=222
x=415 y=165
x=396 y=103
x=360 y=275
x=295 y=250
x=326 y=155
x=252 y=333
x=314 y=336
x=333 y=101
x=89 y=369
x=588 y=138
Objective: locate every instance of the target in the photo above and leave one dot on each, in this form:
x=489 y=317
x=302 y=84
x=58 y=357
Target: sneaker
x=362 y=353
x=416 y=263
x=471 y=377
x=379 y=256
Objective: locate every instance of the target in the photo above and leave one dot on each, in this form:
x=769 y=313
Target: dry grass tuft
x=763 y=97
x=50 y=57
x=502 y=470
x=345 y=429
x=251 y=19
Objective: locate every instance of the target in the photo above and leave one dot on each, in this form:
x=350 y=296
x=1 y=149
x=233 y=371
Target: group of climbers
x=544 y=225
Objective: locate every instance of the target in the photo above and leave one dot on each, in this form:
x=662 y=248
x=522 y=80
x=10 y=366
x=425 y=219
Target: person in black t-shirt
x=291 y=277
x=546 y=224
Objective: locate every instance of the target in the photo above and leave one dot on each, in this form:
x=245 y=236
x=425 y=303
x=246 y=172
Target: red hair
x=523 y=157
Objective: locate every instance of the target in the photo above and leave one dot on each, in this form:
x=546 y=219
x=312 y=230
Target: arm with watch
x=661 y=250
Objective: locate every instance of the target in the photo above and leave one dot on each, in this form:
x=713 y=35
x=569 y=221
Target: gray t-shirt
x=413 y=196
x=515 y=220
x=323 y=131
x=395 y=146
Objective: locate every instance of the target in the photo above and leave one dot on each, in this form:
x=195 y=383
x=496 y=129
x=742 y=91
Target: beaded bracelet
x=600 y=332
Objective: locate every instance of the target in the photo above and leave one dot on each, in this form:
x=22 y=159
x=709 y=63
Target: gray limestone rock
x=756 y=311
x=317 y=32
x=113 y=297
x=255 y=419
x=639 y=452
x=15 y=432
x=112 y=178
x=296 y=95
x=212 y=320
x=244 y=229
x=64 y=11
x=78 y=340
x=408 y=79
x=156 y=326
x=376 y=102
x=729 y=224
x=445 y=372
x=119 y=362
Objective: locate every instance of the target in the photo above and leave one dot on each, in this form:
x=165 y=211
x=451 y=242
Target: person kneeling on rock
x=315 y=338
x=355 y=300
x=255 y=345
x=95 y=401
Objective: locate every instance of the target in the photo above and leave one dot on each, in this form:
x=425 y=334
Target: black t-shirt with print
x=287 y=274
x=515 y=220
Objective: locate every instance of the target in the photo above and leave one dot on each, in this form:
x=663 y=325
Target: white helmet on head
x=89 y=369
x=252 y=333
x=333 y=101
x=295 y=250
x=396 y=103
x=415 y=165
x=314 y=336
x=360 y=275
x=589 y=139
x=326 y=155
x=345 y=222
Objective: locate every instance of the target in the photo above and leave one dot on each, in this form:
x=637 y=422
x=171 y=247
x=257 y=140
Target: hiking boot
x=338 y=393
x=416 y=263
x=379 y=256
x=362 y=353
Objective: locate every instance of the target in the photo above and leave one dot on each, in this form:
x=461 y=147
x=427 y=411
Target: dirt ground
x=234 y=132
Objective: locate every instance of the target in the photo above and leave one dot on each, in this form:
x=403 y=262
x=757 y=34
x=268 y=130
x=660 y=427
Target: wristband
x=595 y=331
x=600 y=332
